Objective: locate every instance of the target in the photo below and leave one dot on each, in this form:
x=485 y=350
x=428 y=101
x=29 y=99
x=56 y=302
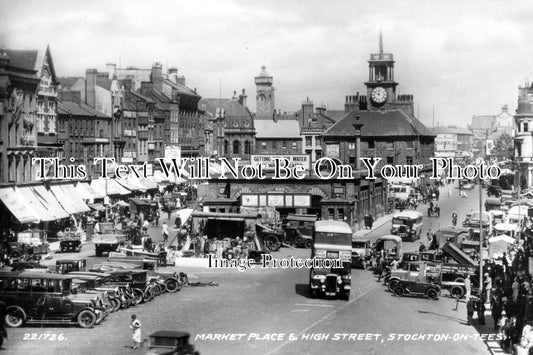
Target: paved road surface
x=263 y=302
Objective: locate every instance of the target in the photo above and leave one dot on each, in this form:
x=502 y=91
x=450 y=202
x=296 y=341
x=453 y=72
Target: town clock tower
x=381 y=87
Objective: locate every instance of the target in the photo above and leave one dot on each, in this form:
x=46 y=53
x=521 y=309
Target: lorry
x=108 y=240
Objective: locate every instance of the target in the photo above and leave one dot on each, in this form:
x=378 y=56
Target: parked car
x=417 y=288
x=170 y=342
x=46 y=299
x=361 y=250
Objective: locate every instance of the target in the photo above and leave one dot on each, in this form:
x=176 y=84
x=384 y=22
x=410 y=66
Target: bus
x=330 y=274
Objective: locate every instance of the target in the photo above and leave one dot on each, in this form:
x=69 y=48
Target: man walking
x=165 y=232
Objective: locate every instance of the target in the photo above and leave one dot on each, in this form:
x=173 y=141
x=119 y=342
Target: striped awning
x=18 y=205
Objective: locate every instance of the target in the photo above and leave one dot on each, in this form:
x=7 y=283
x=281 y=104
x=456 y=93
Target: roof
x=279 y=129
x=67 y=82
x=24 y=59
x=335 y=115
x=182 y=89
x=452 y=130
x=31 y=60
x=482 y=122
x=232 y=107
x=379 y=124
x=408 y=214
x=170 y=334
x=332 y=226
x=72 y=108
x=104 y=82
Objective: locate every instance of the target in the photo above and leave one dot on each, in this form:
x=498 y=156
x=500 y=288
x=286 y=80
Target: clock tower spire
x=381 y=87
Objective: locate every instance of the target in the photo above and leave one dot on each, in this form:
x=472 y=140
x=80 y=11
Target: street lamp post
x=480 y=237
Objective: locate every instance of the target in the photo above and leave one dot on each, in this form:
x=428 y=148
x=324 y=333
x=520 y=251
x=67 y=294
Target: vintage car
x=46 y=298
x=417 y=288
x=64 y=266
x=450 y=234
x=95 y=285
x=493 y=190
x=492 y=203
x=390 y=246
x=169 y=342
x=28 y=265
x=361 y=250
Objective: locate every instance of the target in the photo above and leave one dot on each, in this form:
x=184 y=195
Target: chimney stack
x=242 y=98
x=173 y=75
x=112 y=69
x=90 y=87
x=156 y=76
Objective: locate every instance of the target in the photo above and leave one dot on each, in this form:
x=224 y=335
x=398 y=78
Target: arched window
x=247 y=147
x=236 y=147
x=226 y=147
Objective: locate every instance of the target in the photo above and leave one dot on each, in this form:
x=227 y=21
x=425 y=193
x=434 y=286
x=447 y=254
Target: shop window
x=351 y=145
x=331 y=213
x=341 y=213
x=263 y=145
x=389 y=145
x=410 y=144
x=409 y=160
x=308 y=141
x=371 y=144
x=247 y=147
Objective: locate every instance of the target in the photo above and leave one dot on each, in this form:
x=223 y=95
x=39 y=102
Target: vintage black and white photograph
x=281 y=177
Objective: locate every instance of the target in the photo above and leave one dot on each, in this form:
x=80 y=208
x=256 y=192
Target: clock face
x=379 y=95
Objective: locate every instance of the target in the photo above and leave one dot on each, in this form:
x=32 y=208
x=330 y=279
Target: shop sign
x=268 y=161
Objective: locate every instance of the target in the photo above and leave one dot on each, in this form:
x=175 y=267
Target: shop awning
x=82 y=190
x=48 y=199
x=149 y=184
x=18 y=205
x=96 y=188
x=225 y=216
x=97 y=207
x=109 y=187
x=77 y=201
x=64 y=201
x=35 y=204
x=131 y=184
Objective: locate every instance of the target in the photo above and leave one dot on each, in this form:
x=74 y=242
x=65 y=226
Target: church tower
x=381 y=87
x=265 y=102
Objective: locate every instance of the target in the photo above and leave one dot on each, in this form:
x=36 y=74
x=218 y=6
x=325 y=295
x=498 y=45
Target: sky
x=458 y=58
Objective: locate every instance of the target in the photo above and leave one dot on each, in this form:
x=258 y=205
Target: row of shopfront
x=50 y=202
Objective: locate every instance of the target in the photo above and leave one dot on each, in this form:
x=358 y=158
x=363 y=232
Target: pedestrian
x=470 y=307
x=468 y=287
x=370 y=221
x=422 y=247
x=496 y=311
x=135 y=327
x=516 y=288
x=429 y=236
x=157 y=215
x=437 y=194
x=177 y=221
x=480 y=309
x=488 y=286
x=165 y=231
x=146 y=224
x=394 y=264
x=169 y=213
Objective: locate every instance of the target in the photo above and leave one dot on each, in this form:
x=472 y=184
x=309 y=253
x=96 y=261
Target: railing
x=381 y=56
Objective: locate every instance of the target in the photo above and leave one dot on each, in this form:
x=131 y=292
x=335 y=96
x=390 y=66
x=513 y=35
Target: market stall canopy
x=97 y=207
x=96 y=189
x=131 y=184
x=121 y=204
x=146 y=183
x=35 y=204
x=185 y=214
x=109 y=187
x=506 y=227
x=18 y=205
x=48 y=199
x=225 y=216
x=502 y=238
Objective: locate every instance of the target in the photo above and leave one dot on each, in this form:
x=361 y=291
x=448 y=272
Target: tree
x=503 y=148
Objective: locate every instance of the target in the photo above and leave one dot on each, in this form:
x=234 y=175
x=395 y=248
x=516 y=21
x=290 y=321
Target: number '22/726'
x=44 y=336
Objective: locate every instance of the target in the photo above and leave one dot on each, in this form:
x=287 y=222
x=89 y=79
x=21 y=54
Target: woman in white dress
x=135 y=327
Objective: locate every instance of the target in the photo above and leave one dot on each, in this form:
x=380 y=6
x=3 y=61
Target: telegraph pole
x=480 y=237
